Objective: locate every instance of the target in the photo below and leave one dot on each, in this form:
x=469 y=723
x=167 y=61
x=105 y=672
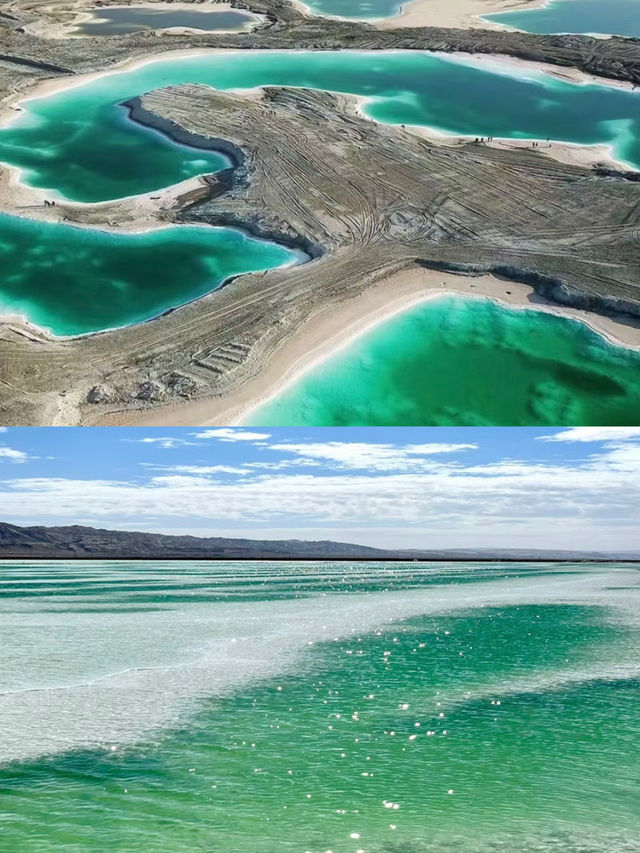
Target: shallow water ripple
x=414 y=708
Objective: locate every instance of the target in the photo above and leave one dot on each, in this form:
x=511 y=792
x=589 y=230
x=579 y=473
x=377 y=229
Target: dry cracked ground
x=367 y=200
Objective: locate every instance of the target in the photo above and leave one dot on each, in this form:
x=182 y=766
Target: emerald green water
x=315 y=707
x=80 y=143
x=361 y=10
x=470 y=362
x=607 y=17
x=76 y=280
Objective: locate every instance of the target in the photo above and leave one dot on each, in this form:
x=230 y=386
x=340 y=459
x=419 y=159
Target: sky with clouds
x=397 y=488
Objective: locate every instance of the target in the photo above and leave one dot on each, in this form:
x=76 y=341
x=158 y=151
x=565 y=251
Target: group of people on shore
x=534 y=143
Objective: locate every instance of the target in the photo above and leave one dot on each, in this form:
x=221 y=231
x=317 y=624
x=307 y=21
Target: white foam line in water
x=199 y=651
x=545 y=683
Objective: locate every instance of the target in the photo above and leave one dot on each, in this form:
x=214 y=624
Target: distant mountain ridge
x=84 y=543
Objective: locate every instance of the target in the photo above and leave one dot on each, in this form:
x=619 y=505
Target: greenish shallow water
x=471 y=362
x=315 y=707
x=80 y=142
x=361 y=10
x=604 y=17
x=76 y=280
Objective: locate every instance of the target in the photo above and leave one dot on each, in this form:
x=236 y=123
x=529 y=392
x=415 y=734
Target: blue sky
x=418 y=488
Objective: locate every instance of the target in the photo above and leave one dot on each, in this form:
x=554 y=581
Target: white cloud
x=436 y=447
x=371 y=457
x=593 y=434
x=622 y=456
x=545 y=501
x=202 y=469
x=12 y=455
x=225 y=434
x=281 y=464
x=166 y=441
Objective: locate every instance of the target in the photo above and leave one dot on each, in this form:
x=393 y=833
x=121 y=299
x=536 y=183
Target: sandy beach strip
x=462 y=14
x=131 y=214
x=570 y=153
x=338 y=324
x=513 y=66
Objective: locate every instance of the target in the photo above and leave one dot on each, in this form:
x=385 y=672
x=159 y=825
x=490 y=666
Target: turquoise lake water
x=604 y=17
x=444 y=362
x=81 y=144
x=357 y=9
x=269 y=707
x=75 y=280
